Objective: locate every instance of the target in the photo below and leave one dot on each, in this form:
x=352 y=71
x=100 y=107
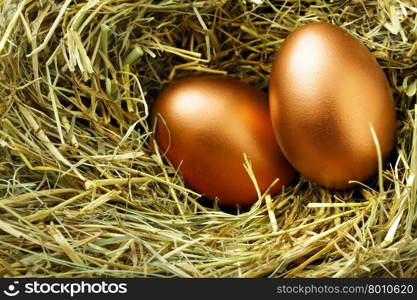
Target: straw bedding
x=85 y=192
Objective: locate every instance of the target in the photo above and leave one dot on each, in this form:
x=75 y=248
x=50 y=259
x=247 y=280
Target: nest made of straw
x=85 y=192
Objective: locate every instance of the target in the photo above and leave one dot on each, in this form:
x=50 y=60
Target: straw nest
x=85 y=192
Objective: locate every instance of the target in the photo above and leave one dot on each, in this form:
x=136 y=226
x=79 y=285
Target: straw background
x=84 y=192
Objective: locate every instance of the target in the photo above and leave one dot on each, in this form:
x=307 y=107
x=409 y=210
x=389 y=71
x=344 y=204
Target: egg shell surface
x=205 y=125
x=325 y=92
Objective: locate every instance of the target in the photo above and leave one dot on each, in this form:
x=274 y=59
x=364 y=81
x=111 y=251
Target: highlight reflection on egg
x=206 y=124
x=325 y=91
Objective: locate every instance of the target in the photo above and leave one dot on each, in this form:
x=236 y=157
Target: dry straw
x=84 y=191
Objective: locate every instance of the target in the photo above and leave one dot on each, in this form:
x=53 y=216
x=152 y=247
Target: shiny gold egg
x=205 y=125
x=325 y=92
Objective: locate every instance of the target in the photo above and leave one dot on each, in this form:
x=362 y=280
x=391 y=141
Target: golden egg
x=325 y=92
x=205 y=125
